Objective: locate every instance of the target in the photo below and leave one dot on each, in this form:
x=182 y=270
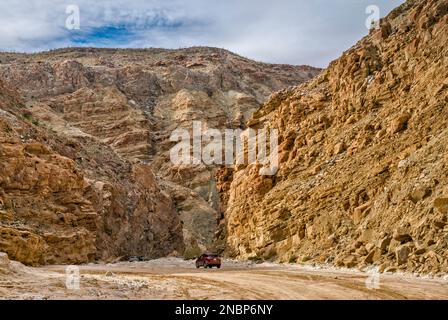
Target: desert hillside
x=85 y=172
x=363 y=175
x=67 y=199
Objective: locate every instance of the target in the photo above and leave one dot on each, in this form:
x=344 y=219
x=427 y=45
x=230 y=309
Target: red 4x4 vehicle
x=208 y=260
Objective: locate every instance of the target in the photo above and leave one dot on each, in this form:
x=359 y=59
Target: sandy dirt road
x=172 y=278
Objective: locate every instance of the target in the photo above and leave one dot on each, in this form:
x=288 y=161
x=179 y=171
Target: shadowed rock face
x=99 y=122
x=363 y=157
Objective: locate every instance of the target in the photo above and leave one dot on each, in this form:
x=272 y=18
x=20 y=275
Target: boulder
x=399 y=124
x=339 y=148
x=373 y=256
x=419 y=194
x=441 y=204
x=402 y=235
x=350 y=261
x=384 y=243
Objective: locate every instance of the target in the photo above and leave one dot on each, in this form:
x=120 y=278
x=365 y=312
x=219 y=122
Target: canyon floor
x=172 y=278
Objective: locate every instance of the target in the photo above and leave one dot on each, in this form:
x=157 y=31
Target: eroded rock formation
x=363 y=177
x=84 y=131
x=67 y=200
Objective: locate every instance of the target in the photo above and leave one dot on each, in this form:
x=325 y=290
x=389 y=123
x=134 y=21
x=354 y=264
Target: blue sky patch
x=107 y=35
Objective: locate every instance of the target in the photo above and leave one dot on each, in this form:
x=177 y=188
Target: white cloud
x=284 y=31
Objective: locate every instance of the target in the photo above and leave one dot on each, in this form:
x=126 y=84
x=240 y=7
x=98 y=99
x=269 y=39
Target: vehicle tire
x=197 y=266
x=218 y=266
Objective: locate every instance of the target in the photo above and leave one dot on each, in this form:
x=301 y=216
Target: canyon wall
x=363 y=174
x=85 y=171
x=67 y=200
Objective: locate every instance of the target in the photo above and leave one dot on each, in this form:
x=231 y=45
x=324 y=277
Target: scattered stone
x=339 y=148
x=357 y=244
x=373 y=256
x=419 y=194
x=384 y=243
x=382 y=268
x=391 y=269
x=367 y=236
x=420 y=250
x=399 y=124
x=402 y=254
x=361 y=212
x=362 y=251
x=440 y=223
x=379 y=169
x=370 y=246
x=350 y=261
x=402 y=235
x=441 y=204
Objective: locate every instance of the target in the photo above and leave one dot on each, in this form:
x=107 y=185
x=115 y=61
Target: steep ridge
x=71 y=201
x=112 y=112
x=363 y=175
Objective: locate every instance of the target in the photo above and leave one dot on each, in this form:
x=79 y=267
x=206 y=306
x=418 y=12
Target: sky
x=312 y=32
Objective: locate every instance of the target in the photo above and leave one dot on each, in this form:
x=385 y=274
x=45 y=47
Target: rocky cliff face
x=363 y=157
x=80 y=146
x=67 y=200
